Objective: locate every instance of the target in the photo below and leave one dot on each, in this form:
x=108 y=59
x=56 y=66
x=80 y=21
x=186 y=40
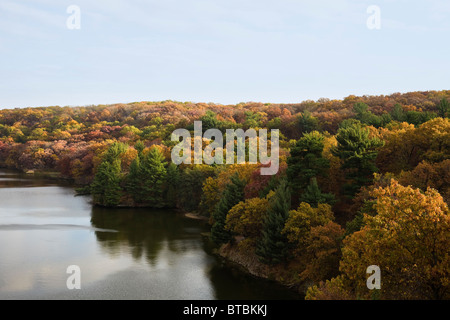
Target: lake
x=121 y=253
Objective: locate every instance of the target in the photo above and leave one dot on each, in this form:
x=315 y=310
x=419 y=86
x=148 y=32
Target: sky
x=221 y=51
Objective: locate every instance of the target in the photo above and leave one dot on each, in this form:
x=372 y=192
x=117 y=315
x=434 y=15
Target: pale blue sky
x=223 y=51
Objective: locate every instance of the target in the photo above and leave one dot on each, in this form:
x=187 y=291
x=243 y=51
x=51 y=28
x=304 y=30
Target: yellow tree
x=316 y=241
x=247 y=217
x=409 y=239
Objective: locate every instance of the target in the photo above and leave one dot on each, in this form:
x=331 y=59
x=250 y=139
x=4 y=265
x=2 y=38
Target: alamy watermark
x=374 y=280
x=74 y=280
x=374 y=20
x=73 y=22
x=213 y=152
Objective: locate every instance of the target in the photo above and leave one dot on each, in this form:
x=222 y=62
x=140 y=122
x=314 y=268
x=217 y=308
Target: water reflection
x=151 y=233
x=144 y=233
x=123 y=253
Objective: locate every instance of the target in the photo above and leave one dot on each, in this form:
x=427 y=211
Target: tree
x=246 y=218
x=323 y=252
x=190 y=185
x=171 y=186
x=273 y=248
x=105 y=188
x=425 y=174
x=334 y=289
x=307 y=122
x=397 y=113
x=233 y=194
x=358 y=152
x=408 y=239
x=133 y=180
x=210 y=196
x=367 y=117
x=306 y=161
x=443 y=107
x=314 y=196
x=300 y=221
x=139 y=146
x=152 y=174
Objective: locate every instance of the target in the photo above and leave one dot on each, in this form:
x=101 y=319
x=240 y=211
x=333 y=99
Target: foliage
x=273 y=248
x=233 y=194
x=408 y=239
x=314 y=196
x=306 y=161
x=328 y=149
x=358 y=152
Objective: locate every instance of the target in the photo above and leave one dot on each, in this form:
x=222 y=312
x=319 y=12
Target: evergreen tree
x=190 y=185
x=358 y=153
x=114 y=151
x=233 y=194
x=105 y=188
x=274 y=247
x=152 y=174
x=367 y=117
x=139 y=146
x=133 y=180
x=398 y=114
x=307 y=122
x=443 y=108
x=306 y=161
x=314 y=196
x=172 y=180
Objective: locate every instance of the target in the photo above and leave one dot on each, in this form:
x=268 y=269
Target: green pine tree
x=398 y=114
x=358 y=153
x=233 y=194
x=139 y=146
x=133 y=181
x=171 y=188
x=273 y=247
x=306 y=161
x=105 y=188
x=152 y=175
x=443 y=108
x=313 y=195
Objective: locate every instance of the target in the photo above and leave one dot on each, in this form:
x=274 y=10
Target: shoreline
x=249 y=263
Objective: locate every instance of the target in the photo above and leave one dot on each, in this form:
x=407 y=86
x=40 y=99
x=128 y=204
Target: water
x=121 y=253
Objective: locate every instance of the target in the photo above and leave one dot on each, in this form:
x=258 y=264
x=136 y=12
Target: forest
x=362 y=181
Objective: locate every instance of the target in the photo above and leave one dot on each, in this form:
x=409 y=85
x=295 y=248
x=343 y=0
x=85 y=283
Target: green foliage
x=152 y=173
x=105 y=188
x=314 y=196
x=209 y=121
x=417 y=118
x=398 y=114
x=233 y=194
x=367 y=117
x=443 y=108
x=252 y=120
x=139 y=146
x=190 y=186
x=133 y=180
x=307 y=122
x=358 y=153
x=114 y=151
x=273 y=248
x=306 y=161
x=172 y=180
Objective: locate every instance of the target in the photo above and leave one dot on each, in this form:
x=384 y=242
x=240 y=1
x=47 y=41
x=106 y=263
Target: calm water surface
x=122 y=253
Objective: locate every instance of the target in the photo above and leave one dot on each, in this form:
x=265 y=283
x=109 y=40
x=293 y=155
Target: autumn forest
x=362 y=181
